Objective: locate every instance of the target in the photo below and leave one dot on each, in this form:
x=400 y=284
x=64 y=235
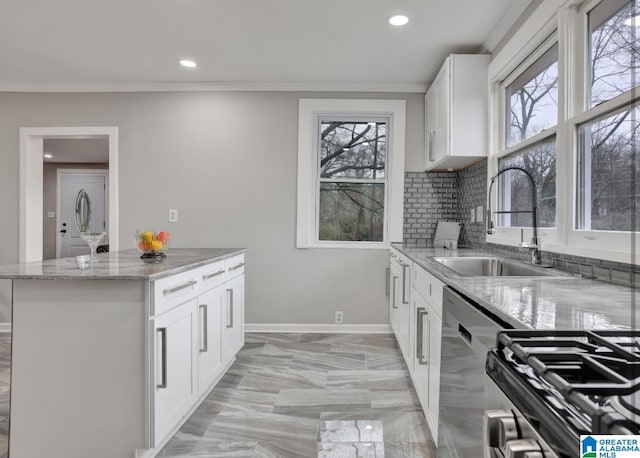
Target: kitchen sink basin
x=482 y=266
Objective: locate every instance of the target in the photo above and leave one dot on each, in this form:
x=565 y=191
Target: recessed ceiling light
x=48 y=156
x=633 y=21
x=188 y=63
x=398 y=20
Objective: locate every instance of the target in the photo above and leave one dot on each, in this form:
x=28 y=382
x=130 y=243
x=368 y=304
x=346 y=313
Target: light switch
x=479 y=214
x=473 y=215
x=173 y=215
x=51 y=214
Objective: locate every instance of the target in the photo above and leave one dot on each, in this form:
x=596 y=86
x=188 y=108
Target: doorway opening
x=32 y=167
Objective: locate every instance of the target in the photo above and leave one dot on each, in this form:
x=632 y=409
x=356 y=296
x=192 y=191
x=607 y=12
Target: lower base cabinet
x=419 y=332
x=194 y=341
x=175 y=357
x=210 y=362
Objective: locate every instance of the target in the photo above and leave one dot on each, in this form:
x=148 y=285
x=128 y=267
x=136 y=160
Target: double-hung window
x=569 y=114
x=530 y=119
x=350 y=173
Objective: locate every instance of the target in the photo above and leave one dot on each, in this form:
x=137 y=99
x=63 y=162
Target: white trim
x=309 y=111
x=516 y=9
x=90 y=172
x=419 y=88
x=30 y=187
x=319 y=328
x=5 y=327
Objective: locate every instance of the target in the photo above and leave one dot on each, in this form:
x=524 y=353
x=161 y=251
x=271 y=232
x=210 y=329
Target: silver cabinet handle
x=237 y=266
x=421 y=312
x=404 y=283
x=179 y=287
x=204 y=328
x=163 y=349
x=395 y=288
x=387 y=286
x=230 y=305
x=215 y=274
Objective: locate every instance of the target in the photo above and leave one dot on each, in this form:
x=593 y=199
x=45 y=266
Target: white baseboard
x=319 y=328
x=5 y=327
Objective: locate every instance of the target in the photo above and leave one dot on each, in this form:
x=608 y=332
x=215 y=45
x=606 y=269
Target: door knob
x=63 y=231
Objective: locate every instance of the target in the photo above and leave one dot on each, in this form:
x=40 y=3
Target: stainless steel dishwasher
x=468 y=332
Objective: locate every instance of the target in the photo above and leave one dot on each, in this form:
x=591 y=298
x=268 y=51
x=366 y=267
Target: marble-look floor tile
x=262 y=427
x=273 y=380
x=350 y=431
x=371 y=379
x=351 y=450
x=311 y=402
x=291 y=395
x=328 y=361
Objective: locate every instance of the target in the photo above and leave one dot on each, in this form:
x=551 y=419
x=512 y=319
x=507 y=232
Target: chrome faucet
x=534 y=245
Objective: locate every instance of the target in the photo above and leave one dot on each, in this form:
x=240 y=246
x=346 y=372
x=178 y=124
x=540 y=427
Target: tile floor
x=309 y=396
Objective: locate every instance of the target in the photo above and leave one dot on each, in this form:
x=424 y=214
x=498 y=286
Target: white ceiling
x=78 y=150
x=290 y=44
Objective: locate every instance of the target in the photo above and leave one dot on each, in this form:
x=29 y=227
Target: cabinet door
x=434 y=338
x=431 y=125
x=233 y=319
x=175 y=390
x=443 y=108
x=210 y=307
x=403 y=310
x=420 y=352
x=394 y=299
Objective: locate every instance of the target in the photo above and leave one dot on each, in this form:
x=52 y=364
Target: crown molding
x=6 y=86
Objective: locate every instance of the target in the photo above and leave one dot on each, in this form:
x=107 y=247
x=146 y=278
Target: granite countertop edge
x=119 y=265
x=568 y=302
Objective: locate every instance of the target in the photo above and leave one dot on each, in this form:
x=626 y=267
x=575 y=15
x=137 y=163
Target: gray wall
x=227 y=162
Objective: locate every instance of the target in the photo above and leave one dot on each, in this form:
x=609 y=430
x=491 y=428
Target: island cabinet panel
x=109 y=362
x=175 y=385
x=210 y=363
x=78 y=368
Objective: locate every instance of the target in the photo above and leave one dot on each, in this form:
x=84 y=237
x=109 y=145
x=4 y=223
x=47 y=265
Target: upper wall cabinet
x=456 y=113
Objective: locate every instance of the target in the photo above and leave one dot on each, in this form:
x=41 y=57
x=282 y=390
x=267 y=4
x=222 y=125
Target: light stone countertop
x=118 y=265
x=537 y=302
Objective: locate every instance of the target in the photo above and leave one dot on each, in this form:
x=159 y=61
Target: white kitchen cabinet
x=400 y=300
x=175 y=388
x=456 y=117
x=210 y=364
x=233 y=311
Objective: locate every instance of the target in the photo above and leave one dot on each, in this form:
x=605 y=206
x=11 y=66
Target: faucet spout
x=534 y=245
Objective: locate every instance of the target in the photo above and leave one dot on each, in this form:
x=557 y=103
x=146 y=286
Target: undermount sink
x=496 y=267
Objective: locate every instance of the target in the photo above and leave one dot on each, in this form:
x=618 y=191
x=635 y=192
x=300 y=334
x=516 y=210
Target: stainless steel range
x=554 y=386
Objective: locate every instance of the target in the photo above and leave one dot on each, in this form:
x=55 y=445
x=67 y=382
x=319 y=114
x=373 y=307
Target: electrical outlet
x=173 y=215
x=473 y=215
x=339 y=317
x=479 y=214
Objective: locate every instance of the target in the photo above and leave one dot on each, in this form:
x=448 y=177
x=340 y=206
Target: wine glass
x=93 y=239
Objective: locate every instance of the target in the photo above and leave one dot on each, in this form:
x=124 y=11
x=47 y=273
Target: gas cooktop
x=569 y=383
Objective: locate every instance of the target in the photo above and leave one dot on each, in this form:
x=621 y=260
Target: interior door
x=69 y=242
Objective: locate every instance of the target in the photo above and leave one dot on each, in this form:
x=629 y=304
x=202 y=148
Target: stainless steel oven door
x=506 y=432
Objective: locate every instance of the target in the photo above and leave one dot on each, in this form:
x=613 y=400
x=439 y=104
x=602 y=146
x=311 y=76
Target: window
x=352 y=180
x=350 y=173
x=531 y=113
x=569 y=114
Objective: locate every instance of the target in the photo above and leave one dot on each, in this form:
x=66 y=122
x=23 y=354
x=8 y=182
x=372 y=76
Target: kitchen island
x=109 y=361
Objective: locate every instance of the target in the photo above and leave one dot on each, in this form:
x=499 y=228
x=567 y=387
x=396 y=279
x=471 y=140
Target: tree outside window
x=352 y=180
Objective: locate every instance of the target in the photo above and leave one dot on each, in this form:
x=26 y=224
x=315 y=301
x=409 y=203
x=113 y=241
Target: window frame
x=568 y=20
x=310 y=114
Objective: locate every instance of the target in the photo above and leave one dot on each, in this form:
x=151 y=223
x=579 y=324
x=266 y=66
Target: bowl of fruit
x=153 y=245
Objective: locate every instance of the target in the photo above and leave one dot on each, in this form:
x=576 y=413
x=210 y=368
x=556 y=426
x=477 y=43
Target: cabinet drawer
x=235 y=266
x=429 y=287
x=172 y=291
x=211 y=275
